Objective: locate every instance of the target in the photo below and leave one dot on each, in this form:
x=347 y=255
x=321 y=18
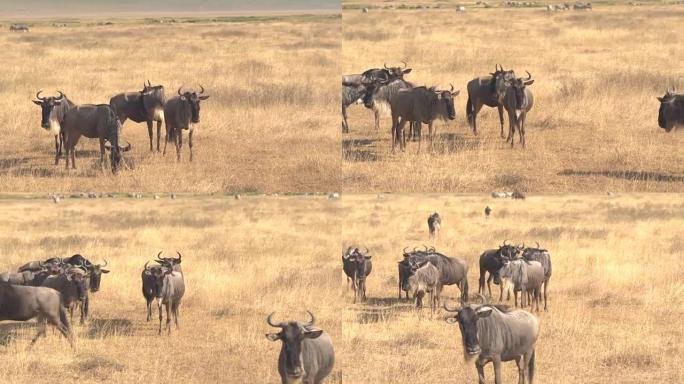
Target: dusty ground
x=265 y=127
x=594 y=123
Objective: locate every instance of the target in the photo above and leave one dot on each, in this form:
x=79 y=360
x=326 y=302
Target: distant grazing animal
x=182 y=112
x=152 y=281
x=94 y=122
x=171 y=294
x=53 y=110
x=495 y=333
x=487 y=211
x=420 y=105
x=517 y=195
x=544 y=258
x=425 y=279
x=671 y=113
x=526 y=277
x=452 y=270
x=434 y=225
x=357 y=266
x=517 y=101
x=307 y=355
x=491 y=262
x=146 y=105
x=20 y=303
x=489 y=91
x=19 y=28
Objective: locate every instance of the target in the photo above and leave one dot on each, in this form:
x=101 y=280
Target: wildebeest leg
x=400 y=134
x=58 y=148
x=546 y=296
x=354 y=286
x=102 y=154
x=190 y=144
x=480 y=371
x=521 y=129
x=151 y=133
x=345 y=125
x=158 y=133
x=481 y=282
x=160 y=314
x=166 y=139
x=376 y=115
x=523 y=296
x=41 y=325
x=169 y=307
x=520 y=362
x=149 y=309
x=175 y=314
x=515 y=298
x=489 y=284
x=496 y=360
x=179 y=143
x=476 y=109
x=501 y=118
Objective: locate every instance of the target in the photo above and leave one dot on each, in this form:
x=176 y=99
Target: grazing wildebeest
x=20 y=303
x=170 y=295
x=182 y=112
x=491 y=262
x=671 y=112
x=357 y=266
x=452 y=270
x=350 y=95
x=420 y=105
x=94 y=122
x=171 y=262
x=53 y=110
x=71 y=285
x=497 y=334
x=146 y=105
x=94 y=278
x=526 y=277
x=152 y=282
x=434 y=225
x=19 y=28
x=517 y=101
x=307 y=355
x=489 y=91
x=425 y=279
x=544 y=258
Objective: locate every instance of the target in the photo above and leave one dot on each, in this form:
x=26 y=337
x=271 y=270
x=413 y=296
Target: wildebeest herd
x=490 y=332
x=69 y=121
x=385 y=91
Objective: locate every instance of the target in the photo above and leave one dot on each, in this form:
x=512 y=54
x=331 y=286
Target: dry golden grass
x=615 y=297
x=614 y=309
x=264 y=128
x=594 y=123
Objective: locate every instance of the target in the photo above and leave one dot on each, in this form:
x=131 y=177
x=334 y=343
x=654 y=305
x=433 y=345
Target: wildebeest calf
x=434 y=225
x=425 y=279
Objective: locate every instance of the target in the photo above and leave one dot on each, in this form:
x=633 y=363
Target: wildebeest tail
x=469 y=109
x=172 y=135
x=530 y=367
x=465 y=289
x=113 y=127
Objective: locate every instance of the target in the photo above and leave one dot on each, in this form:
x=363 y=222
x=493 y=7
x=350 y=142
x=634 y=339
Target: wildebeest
x=434 y=225
x=152 y=282
x=93 y=280
x=487 y=211
x=170 y=295
x=452 y=270
x=182 y=112
x=171 y=262
x=357 y=266
x=19 y=28
x=94 y=122
x=72 y=286
x=581 y=6
x=526 y=277
x=544 y=258
x=350 y=94
x=53 y=110
x=489 y=91
x=425 y=279
x=517 y=101
x=420 y=105
x=495 y=333
x=53 y=263
x=146 y=105
x=491 y=262
x=20 y=303
x=307 y=355
x=671 y=112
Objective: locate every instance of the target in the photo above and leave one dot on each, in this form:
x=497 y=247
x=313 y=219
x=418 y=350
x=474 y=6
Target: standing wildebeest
x=378 y=96
x=420 y=105
x=19 y=28
x=406 y=270
x=350 y=94
x=489 y=91
x=170 y=295
x=152 y=281
x=307 y=355
x=182 y=112
x=671 y=112
x=71 y=285
x=434 y=225
x=518 y=100
x=491 y=262
x=19 y=303
x=92 y=283
x=94 y=122
x=425 y=279
x=544 y=258
x=146 y=105
x=526 y=277
x=495 y=333
x=53 y=110
x=452 y=270
x=357 y=266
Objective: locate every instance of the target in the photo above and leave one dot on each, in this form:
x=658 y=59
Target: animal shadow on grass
x=375 y=310
x=359 y=150
x=451 y=142
x=103 y=328
x=627 y=175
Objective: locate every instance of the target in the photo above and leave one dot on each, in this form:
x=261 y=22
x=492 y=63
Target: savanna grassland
x=241 y=260
x=594 y=123
x=615 y=296
x=265 y=127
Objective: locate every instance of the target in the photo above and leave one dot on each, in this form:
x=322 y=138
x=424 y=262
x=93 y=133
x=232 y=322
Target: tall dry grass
x=594 y=123
x=265 y=126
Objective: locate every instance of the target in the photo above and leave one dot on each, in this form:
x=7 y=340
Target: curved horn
x=146 y=264
x=201 y=89
x=405 y=250
x=311 y=320
x=505 y=242
x=148 y=83
x=270 y=322
x=159 y=254
x=529 y=76
x=61 y=95
x=179 y=91
x=179 y=255
x=538 y=247
x=385 y=65
x=446 y=307
x=38 y=95
x=405 y=65
x=452 y=87
x=483 y=300
x=367 y=251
